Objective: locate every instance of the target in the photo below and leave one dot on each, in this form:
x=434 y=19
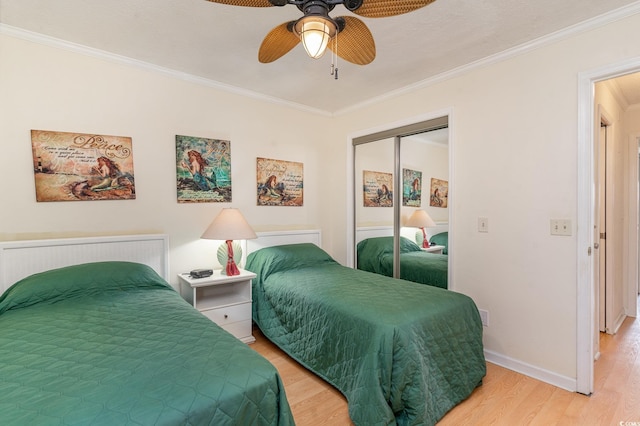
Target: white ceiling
x=219 y=43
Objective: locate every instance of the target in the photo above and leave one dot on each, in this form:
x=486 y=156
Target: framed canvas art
x=411 y=188
x=203 y=170
x=439 y=195
x=378 y=189
x=279 y=183
x=82 y=166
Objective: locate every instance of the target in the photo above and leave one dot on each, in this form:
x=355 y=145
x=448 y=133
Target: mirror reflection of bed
x=374 y=253
x=413 y=161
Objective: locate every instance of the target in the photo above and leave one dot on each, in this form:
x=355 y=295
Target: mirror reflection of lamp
x=421 y=219
x=229 y=225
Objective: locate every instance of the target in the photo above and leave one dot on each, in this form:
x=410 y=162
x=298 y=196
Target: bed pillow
x=79 y=280
x=376 y=254
x=379 y=246
x=441 y=239
x=376 y=246
x=274 y=259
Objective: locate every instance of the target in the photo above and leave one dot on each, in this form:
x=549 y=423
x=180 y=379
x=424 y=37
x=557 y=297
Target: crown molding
x=521 y=49
x=34 y=37
x=565 y=33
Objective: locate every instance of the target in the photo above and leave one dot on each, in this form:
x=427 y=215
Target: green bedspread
x=401 y=352
x=111 y=343
x=376 y=255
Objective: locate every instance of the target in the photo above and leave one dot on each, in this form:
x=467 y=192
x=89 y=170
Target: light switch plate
x=561 y=227
x=483 y=224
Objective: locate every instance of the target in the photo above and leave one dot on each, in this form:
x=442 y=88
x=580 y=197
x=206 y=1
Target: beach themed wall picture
x=82 y=166
x=411 y=188
x=203 y=170
x=378 y=189
x=279 y=183
x=439 y=196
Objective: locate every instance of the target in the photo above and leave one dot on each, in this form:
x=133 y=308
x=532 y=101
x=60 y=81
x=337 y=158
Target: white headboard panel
x=19 y=259
x=278 y=238
x=440 y=227
x=365 y=232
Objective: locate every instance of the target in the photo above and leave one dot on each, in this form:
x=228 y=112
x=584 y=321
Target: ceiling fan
x=317 y=30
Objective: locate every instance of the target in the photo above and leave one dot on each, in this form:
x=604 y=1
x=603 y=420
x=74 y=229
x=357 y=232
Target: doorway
x=626 y=233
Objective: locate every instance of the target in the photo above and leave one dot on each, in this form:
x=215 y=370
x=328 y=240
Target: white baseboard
x=567 y=383
x=618 y=322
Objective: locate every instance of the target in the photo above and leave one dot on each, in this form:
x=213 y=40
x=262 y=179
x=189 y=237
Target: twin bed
x=92 y=333
x=401 y=352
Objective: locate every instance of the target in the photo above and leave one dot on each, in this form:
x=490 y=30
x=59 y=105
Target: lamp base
x=229 y=263
x=425 y=241
x=421 y=239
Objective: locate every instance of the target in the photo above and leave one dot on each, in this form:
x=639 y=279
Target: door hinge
x=603 y=235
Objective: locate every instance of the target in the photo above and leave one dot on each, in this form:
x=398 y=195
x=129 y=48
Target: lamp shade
x=420 y=219
x=315 y=33
x=229 y=224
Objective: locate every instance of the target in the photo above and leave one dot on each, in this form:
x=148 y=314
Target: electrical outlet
x=561 y=227
x=484 y=317
x=483 y=224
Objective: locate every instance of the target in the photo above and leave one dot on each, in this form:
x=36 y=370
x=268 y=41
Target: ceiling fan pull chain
x=335 y=57
x=332 y=70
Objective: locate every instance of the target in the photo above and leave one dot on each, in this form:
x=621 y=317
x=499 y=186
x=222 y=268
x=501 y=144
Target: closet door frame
x=397 y=130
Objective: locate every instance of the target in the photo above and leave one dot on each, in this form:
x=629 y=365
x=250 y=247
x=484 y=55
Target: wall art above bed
x=411 y=188
x=439 y=193
x=203 y=170
x=82 y=166
x=378 y=189
x=279 y=183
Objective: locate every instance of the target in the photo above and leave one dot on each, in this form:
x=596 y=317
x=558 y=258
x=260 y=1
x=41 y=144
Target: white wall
x=373 y=157
x=47 y=88
x=433 y=161
x=427 y=157
x=514 y=146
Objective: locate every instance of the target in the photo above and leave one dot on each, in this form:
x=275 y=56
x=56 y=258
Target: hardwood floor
x=505 y=397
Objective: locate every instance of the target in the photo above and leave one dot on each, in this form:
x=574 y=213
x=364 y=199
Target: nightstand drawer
x=240 y=329
x=229 y=314
x=225 y=300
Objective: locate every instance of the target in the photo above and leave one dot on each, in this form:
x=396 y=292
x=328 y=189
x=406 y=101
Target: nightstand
x=225 y=300
x=434 y=249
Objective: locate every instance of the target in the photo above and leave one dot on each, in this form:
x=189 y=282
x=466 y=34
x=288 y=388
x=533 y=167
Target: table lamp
x=229 y=225
x=421 y=219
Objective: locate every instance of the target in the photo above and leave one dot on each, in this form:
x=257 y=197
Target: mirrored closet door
x=402 y=175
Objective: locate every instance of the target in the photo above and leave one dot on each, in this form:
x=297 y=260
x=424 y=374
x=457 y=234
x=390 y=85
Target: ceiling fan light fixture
x=315 y=33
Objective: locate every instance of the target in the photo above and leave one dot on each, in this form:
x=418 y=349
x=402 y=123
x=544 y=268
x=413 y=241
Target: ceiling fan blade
x=383 y=8
x=249 y=3
x=355 y=42
x=277 y=43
